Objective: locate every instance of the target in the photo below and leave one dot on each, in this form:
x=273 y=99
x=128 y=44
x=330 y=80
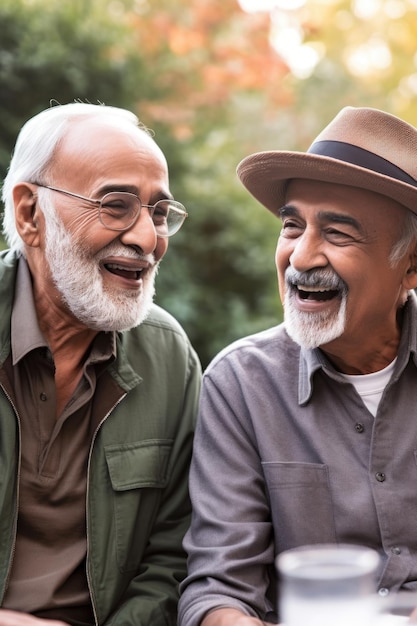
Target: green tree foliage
x=205 y=78
x=214 y=62
x=53 y=50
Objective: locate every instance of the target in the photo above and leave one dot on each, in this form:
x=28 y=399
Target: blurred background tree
x=215 y=82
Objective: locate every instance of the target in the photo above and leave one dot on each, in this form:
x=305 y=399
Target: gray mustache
x=323 y=278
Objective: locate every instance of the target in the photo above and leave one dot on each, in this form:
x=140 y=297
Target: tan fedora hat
x=361 y=147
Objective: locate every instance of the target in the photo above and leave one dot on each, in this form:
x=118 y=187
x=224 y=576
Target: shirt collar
x=313 y=360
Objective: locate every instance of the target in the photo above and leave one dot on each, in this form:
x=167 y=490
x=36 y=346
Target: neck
x=368 y=351
x=355 y=361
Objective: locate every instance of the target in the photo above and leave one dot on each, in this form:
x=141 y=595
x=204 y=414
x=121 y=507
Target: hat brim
x=266 y=175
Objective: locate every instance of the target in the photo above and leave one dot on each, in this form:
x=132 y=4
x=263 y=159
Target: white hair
x=35 y=148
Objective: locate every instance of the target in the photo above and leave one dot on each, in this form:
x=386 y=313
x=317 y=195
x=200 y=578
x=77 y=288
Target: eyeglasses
x=119 y=210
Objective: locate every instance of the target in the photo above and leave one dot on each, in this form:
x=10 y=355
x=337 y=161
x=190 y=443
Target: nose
x=308 y=252
x=142 y=233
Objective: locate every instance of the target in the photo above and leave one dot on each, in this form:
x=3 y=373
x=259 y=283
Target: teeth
x=312 y=289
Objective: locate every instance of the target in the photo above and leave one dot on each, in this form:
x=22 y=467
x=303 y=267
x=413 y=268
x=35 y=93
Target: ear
x=410 y=277
x=26 y=213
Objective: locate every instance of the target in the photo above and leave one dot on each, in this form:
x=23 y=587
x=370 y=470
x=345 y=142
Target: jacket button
x=359 y=428
x=396 y=550
x=380 y=476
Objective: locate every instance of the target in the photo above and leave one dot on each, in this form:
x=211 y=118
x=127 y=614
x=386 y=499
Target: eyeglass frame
x=180 y=208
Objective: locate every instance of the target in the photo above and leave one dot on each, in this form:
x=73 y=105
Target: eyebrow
x=289 y=210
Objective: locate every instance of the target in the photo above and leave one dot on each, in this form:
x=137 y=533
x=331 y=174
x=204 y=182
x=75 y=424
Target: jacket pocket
x=138 y=473
x=301 y=504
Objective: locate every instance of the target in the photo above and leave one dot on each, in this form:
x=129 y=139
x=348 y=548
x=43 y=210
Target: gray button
x=380 y=476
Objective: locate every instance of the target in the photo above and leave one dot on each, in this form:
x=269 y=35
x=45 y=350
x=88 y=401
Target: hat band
x=360 y=157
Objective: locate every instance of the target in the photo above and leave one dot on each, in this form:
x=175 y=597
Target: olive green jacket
x=137 y=495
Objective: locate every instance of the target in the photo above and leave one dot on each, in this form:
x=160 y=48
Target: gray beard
x=311 y=330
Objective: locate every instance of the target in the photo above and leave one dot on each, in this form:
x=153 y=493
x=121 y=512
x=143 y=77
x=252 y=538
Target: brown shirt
x=48 y=576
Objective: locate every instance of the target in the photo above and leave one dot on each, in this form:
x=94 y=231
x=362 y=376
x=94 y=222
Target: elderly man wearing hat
x=308 y=431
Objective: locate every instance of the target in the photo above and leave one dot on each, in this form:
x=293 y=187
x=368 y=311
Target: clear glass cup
x=328 y=585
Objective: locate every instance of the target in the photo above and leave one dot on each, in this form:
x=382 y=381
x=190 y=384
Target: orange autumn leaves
x=205 y=53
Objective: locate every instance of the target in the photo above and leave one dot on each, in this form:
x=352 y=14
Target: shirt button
x=359 y=428
x=380 y=476
x=43 y=397
x=383 y=592
x=396 y=550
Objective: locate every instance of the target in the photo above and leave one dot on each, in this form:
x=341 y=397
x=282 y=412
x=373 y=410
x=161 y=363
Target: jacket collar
x=25 y=332
x=8 y=267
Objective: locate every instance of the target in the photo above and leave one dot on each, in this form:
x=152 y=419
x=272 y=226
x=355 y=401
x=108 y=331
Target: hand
x=17 y=618
x=413 y=617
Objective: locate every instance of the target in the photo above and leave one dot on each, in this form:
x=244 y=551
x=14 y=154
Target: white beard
x=311 y=330
x=76 y=274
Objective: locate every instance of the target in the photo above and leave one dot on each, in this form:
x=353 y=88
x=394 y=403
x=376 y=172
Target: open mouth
x=316 y=293
x=123 y=271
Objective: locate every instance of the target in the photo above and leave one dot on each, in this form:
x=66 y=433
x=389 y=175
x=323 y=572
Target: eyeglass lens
x=118 y=211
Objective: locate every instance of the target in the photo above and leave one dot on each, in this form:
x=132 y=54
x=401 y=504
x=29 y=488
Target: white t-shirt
x=371 y=386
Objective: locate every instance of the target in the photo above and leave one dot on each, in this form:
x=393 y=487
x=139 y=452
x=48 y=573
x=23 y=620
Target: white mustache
x=115 y=249
x=316 y=278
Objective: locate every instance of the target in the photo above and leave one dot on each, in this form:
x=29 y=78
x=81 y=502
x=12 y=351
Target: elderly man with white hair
x=98 y=386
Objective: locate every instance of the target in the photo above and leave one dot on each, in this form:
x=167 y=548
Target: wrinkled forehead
x=347 y=197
